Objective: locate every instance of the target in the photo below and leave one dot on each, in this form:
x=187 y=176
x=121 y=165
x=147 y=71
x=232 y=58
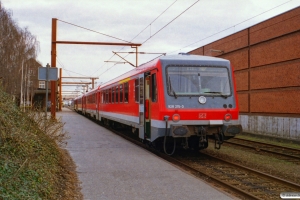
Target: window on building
x=42 y=84
x=30 y=72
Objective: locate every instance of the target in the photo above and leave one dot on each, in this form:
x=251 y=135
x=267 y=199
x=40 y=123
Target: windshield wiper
x=174 y=93
x=171 y=88
x=220 y=93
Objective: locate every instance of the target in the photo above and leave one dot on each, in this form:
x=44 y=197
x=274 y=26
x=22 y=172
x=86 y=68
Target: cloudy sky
x=161 y=26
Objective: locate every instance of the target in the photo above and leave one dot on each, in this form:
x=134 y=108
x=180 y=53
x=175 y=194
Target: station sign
x=52 y=74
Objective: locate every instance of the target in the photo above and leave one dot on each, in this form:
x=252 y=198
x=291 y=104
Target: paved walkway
x=111 y=168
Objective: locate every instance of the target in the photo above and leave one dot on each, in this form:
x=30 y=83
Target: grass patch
x=270 y=140
x=262 y=162
x=32 y=163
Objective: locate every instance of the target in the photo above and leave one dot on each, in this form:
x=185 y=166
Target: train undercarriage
x=195 y=141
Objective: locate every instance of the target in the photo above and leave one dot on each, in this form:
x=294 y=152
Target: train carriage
x=78 y=104
x=90 y=103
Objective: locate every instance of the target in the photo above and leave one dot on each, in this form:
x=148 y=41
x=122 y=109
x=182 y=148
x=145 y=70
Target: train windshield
x=198 y=80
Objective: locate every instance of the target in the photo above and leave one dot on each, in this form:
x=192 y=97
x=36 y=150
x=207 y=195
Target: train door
x=150 y=90
x=147 y=106
x=141 y=106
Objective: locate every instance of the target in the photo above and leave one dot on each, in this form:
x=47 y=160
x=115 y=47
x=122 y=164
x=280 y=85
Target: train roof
x=188 y=59
x=191 y=57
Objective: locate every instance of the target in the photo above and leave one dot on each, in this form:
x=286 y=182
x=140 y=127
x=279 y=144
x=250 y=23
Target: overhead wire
x=61 y=64
x=171 y=21
x=137 y=34
x=119 y=38
x=154 y=20
x=167 y=25
x=93 y=31
x=231 y=26
x=67 y=71
x=136 y=37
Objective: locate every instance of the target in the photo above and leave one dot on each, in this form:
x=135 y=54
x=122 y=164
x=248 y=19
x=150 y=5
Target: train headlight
x=227 y=117
x=176 y=117
x=202 y=100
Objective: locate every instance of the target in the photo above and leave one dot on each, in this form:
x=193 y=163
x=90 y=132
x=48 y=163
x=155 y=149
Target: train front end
x=200 y=100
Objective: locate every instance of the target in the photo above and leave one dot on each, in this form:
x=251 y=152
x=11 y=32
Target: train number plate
x=175 y=106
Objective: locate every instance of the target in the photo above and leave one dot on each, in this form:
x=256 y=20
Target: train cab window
x=153 y=92
x=113 y=95
x=126 y=90
x=117 y=94
x=198 y=80
x=136 y=91
x=121 y=93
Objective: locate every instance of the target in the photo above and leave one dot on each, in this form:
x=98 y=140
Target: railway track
x=285 y=153
x=240 y=181
x=246 y=182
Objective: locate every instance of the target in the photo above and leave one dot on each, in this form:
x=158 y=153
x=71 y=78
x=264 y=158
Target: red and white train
x=185 y=97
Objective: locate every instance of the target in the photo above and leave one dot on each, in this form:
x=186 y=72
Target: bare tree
x=17 y=47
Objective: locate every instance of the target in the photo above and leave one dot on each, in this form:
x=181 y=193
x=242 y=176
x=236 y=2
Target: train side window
x=117 y=94
x=126 y=92
x=153 y=92
x=103 y=97
x=106 y=96
x=137 y=88
x=113 y=95
x=109 y=95
x=121 y=93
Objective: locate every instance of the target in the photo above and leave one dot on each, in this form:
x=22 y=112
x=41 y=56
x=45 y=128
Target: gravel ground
x=258 y=160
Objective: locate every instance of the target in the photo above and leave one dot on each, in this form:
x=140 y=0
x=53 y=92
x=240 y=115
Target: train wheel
x=203 y=145
x=194 y=143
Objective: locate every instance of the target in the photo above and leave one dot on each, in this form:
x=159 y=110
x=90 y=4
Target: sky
x=161 y=26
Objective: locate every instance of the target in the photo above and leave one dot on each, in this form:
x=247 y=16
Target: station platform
x=110 y=167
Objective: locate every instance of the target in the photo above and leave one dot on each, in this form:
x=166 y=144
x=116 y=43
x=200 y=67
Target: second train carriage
x=186 y=97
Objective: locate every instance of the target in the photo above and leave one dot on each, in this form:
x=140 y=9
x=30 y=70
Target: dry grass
x=257 y=160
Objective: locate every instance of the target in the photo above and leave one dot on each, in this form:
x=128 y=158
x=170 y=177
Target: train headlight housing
x=227 y=117
x=176 y=117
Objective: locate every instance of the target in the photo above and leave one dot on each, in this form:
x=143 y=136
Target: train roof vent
x=184 y=54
